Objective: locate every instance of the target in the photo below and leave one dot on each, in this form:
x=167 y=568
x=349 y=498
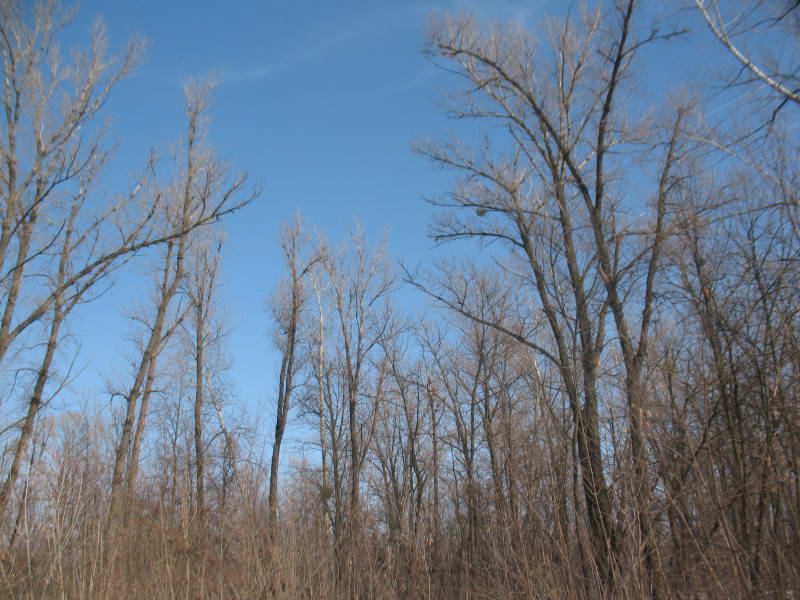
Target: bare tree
x=201 y=181
x=52 y=229
x=361 y=284
x=160 y=327
x=401 y=454
x=62 y=305
x=206 y=331
x=555 y=201
x=289 y=305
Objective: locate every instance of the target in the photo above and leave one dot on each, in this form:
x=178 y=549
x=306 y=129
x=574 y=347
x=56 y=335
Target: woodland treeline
x=601 y=399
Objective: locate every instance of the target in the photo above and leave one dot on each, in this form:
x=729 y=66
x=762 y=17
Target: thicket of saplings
x=604 y=405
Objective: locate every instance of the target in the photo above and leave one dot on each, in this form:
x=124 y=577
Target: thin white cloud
x=520 y=11
x=359 y=31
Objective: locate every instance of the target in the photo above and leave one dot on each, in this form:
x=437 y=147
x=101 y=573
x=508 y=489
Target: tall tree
x=555 y=199
x=361 y=283
x=289 y=305
x=201 y=181
x=205 y=331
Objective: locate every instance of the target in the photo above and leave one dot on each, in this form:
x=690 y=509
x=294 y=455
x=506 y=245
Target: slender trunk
x=169 y=288
x=199 y=450
x=285 y=389
x=435 y=473
x=140 y=427
x=321 y=399
x=355 y=459
x=26 y=232
x=123 y=445
x=34 y=405
x=280 y=428
x=60 y=310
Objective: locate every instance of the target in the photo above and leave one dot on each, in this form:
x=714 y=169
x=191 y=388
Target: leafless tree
x=53 y=230
x=555 y=200
x=205 y=330
x=361 y=283
x=201 y=181
x=159 y=329
x=289 y=305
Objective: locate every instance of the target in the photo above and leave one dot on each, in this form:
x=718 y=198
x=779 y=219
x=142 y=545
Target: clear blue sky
x=318 y=102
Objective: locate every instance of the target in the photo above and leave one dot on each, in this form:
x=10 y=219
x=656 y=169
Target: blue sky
x=318 y=102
